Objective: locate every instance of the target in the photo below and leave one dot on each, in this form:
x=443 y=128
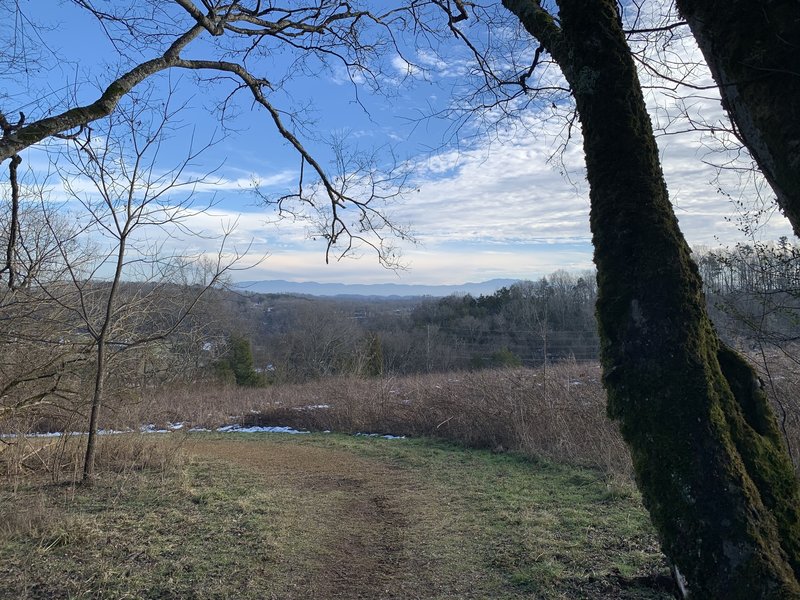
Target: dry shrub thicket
x=557 y=413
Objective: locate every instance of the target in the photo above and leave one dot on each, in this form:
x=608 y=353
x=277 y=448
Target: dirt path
x=363 y=548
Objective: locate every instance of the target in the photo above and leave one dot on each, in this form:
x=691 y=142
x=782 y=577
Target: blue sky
x=493 y=202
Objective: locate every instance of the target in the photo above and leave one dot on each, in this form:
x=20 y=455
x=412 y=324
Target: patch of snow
x=198 y=430
x=312 y=407
x=52 y=434
x=384 y=436
x=258 y=429
x=150 y=428
x=8 y=436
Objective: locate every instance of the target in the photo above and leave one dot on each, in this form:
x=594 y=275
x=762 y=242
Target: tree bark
x=709 y=460
x=752 y=49
x=101 y=339
x=20 y=138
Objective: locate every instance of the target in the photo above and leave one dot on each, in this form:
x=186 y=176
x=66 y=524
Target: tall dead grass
x=559 y=414
x=60 y=458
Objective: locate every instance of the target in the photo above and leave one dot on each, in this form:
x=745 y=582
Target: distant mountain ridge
x=397 y=290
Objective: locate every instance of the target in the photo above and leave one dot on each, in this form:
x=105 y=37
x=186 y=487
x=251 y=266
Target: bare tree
x=40 y=367
x=229 y=43
x=130 y=298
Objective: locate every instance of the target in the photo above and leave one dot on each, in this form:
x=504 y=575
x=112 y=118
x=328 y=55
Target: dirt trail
x=363 y=549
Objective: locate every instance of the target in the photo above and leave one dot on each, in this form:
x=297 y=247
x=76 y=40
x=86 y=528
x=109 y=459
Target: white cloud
x=403 y=67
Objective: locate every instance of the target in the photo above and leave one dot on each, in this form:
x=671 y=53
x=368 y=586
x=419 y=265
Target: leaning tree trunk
x=752 y=49
x=709 y=461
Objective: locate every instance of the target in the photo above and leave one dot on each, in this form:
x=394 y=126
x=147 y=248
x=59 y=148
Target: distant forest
x=753 y=293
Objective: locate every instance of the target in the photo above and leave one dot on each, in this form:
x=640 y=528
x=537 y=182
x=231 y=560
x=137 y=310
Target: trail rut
x=363 y=550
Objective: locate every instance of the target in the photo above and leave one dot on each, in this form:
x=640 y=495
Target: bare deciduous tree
x=129 y=297
x=229 y=43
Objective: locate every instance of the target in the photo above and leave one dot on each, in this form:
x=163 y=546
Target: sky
x=482 y=199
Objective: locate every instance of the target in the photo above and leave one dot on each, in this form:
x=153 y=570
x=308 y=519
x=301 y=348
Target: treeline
x=753 y=292
x=301 y=338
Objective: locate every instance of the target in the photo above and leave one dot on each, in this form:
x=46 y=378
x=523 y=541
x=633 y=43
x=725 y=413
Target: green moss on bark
x=709 y=461
x=751 y=49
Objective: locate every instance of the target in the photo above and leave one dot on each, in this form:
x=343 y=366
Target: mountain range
x=388 y=290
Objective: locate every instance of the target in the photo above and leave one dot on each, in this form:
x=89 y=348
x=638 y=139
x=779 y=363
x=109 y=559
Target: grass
x=559 y=414
x=331 y=516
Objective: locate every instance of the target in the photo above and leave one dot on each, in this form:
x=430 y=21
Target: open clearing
x=330 y=516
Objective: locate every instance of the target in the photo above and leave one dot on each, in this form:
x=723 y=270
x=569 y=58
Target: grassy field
x=329 y=516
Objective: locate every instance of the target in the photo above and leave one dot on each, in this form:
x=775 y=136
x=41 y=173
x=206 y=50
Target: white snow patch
x=52 y=434
x=257 y=429
x=150 y=428
x=9 y=436
x=384 y=436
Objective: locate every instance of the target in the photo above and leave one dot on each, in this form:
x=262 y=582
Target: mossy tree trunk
x=709 y=460
x=752 y=49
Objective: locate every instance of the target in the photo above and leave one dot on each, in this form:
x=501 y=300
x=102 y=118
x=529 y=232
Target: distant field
x=327 y=516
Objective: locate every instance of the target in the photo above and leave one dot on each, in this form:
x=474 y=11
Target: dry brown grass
x=61 y=458
x=559 y=414
x=33 y=468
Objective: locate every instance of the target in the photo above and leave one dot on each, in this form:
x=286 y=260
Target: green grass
x=405 y=519
x=551 y=530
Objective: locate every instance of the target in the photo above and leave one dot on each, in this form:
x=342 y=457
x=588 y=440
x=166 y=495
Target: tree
x=373 y=359
x=751 y=49
x=231 y=44
x=320 y=339
x=709 y=459
x=239 y=362
x=128 y=296
x=40 y=368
